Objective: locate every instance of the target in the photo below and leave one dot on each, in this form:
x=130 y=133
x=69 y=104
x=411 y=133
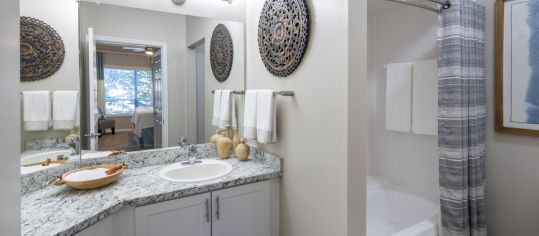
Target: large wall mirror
x=143 y=80
x=517 y=67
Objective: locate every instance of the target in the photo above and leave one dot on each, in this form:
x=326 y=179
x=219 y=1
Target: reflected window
x=127 y=89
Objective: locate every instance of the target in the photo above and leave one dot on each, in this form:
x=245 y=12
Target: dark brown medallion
x=283 y=34
x=221 y=53
x=42 y=50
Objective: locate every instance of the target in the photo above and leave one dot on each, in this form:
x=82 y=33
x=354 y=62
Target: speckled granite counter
x=59 y=210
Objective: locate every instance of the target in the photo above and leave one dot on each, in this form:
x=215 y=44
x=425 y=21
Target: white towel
x=36 y=110
x=249 y=114
x=266 y=119
x=425 y=98
x=216 y=107
x=234 y=114
x=224 y=118
x=64 y=109
x=399 y=97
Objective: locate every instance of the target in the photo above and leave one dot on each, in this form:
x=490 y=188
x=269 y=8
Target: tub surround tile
x=59 y=210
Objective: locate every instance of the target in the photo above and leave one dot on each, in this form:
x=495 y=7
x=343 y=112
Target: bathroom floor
x=118 y=141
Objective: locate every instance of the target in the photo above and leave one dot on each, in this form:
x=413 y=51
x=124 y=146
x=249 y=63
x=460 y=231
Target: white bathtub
x=395 y=212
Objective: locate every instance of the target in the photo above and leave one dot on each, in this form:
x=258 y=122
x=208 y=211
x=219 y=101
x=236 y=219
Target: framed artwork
x=517 y=67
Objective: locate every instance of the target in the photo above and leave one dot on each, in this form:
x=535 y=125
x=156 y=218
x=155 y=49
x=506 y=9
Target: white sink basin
x=208 y=169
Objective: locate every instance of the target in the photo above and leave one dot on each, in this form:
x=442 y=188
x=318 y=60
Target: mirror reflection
x=143 y=80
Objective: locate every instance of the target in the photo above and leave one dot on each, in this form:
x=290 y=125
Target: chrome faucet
x=191 y=150
x=74 y=146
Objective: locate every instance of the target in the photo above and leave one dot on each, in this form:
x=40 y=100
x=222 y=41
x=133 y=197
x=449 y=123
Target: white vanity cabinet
x=246 y=210
x=184 y=216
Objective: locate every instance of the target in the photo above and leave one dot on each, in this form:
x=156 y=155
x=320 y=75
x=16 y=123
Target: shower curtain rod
x=444 y=4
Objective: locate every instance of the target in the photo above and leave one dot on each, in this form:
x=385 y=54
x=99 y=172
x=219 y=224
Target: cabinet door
x=241 y=211
x=188 y=216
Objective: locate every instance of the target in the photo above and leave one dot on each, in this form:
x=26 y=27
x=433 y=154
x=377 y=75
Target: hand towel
x=249 y=114
x=224 y=117
x=266 y=119
x=425 y=98
x=36 y=110
x=216 y=107
x=399 y=97
x=234 y=115
x=64 y=109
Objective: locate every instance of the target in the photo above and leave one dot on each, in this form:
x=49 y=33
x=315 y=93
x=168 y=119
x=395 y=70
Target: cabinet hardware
x=217 y=212
x=207 y=203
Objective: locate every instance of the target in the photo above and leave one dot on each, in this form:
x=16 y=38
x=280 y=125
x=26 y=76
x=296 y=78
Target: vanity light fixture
x=179 y=2
x=149 y=51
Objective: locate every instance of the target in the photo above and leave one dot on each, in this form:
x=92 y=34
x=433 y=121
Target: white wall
x=407 y=160
x=217 y=9
x=313 y=125
x=150 y=26
x=199 y=28
x=63 y=16
x=10 y=205
x=512 y=164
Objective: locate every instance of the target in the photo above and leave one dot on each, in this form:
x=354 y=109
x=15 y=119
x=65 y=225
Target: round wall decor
x=42 y=50
x=221 y=53
x=283 y=34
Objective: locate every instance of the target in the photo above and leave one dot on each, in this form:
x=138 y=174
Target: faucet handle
x=192 y=148
x=183 y=141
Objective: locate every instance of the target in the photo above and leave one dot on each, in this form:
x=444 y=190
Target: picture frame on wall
x=517 y=67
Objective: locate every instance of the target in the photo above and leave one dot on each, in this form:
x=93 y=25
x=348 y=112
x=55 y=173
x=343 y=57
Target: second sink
x=206 y=170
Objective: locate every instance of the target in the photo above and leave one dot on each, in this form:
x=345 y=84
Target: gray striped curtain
x=462 y=118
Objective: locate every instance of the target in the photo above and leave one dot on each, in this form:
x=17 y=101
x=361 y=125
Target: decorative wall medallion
x=221 y=53
x=42 y=50
x=283 y=34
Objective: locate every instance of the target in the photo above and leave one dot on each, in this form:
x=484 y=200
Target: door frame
x=164 y=68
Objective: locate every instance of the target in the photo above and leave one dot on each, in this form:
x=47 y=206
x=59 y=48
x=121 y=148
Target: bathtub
x=392 y=211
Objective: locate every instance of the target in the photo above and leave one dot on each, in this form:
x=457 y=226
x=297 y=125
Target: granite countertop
x=59 y=210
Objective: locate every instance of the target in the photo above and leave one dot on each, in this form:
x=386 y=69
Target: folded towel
x=425 y=98
x=224 y=117
x=399 y=97
x=216 y=107
x=266 y=119
x=36 y=110
x=249 y=114
x=64 y=109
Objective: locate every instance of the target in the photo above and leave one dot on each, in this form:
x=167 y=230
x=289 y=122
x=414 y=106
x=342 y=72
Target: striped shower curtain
x=462 y=118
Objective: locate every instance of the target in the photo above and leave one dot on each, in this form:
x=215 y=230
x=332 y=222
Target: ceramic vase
x=224 y=144
x=243 y=151
x=236 y=140
x=216 y=136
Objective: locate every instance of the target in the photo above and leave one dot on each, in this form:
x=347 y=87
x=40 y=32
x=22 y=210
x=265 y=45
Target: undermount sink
x=205 y=170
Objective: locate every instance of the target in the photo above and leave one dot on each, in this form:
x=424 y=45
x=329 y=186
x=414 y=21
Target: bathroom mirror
x=147 y=77
x=517 y=67
x=50 y=83
x=144 y=78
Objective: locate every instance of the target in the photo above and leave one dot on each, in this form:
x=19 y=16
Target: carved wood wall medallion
x=221 y=53
x=42 y=50
x=283 y=34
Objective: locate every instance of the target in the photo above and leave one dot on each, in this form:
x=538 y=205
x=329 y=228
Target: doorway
x=129 y=107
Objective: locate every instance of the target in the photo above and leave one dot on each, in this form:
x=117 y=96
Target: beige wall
x=358 y=118
x=407 y=160
x=150 y=26
x=512 y=164
x=319 y=176
x=63 y=16
x=198 y=29
x=10 y=204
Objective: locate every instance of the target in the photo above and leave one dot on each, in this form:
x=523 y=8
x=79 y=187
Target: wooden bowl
x=94 y=183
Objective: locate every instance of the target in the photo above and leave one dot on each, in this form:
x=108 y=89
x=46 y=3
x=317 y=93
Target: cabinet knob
x=217 y=212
